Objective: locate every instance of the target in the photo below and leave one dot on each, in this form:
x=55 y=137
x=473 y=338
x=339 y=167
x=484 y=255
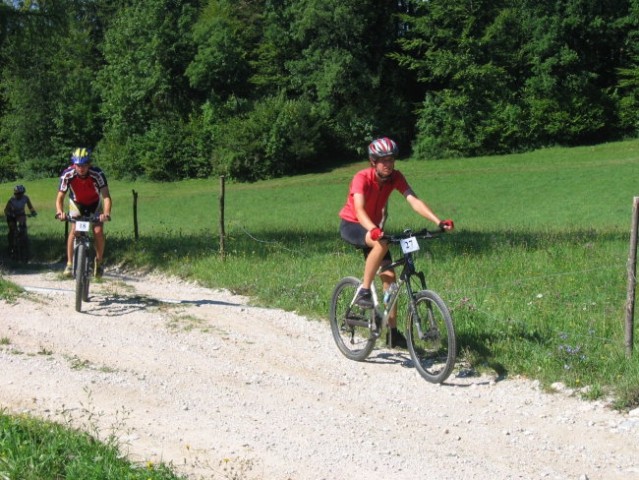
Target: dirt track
x=221 y=389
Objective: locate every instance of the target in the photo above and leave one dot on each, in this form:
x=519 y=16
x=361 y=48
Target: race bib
x=82 y=226
x=409 y=245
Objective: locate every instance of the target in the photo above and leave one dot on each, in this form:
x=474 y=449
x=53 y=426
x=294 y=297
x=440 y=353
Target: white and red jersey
x=83 y=190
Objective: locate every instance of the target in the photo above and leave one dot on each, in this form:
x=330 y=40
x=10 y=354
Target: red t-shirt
x=375 y=194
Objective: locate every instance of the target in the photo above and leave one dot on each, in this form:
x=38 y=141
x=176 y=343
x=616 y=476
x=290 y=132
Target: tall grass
x=535 y=272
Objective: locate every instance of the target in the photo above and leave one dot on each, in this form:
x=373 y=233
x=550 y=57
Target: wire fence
x=462 y=296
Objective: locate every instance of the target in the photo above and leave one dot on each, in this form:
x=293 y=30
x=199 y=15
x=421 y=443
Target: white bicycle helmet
x=382 y=147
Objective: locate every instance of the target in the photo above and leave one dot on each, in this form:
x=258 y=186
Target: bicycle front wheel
x=349 y=323
x=87 y=280
x=431 y=337
x=80 y=275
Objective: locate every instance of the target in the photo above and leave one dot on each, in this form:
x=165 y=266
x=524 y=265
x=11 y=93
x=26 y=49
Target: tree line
x=253 y=89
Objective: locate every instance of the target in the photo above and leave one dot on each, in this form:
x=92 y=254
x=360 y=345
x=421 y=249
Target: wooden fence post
x=632 y=279
x=135 y=214
x=222 y=233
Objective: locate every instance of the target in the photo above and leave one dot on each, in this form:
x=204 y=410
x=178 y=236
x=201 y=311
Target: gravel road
x=221 y=389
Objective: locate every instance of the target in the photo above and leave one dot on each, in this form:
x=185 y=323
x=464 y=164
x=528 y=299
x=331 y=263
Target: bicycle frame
x=81 y=237
x=383 y=311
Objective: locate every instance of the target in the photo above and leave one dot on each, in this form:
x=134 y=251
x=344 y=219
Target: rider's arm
x=420 y=207
x=384 y=216
x=362 y=217
x=31 y=209
x=106 y=203
x=59 y=205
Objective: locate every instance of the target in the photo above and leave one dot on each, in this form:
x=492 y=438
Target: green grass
x=37 y=450
x=535 y=272
x=9 y=291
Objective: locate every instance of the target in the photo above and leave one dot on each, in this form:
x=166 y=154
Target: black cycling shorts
x=355 y=234
x=85 y=210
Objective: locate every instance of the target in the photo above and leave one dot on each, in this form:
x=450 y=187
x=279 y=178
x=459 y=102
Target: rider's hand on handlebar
x=376 y=234
x=447 y=225
x=60 y=216
x=105 y=217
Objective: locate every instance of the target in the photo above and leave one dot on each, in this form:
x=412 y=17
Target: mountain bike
x=82 y=257
x=19 y=241
x=430 y=332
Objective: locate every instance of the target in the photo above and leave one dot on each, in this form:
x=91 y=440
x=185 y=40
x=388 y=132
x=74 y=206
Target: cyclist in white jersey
x=14 y=211
x=88 y=195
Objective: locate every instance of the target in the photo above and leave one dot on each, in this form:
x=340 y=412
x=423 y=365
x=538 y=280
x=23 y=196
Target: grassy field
x=535 y=272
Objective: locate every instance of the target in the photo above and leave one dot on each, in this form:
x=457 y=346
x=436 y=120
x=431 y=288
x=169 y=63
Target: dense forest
x=171 y=89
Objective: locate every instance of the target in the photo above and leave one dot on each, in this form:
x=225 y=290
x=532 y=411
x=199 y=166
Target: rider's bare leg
x=373 y=261
x=70 y=244
x=98 y=235
x=388 y=277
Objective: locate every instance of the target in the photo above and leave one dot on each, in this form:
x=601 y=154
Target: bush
x=277 y=137
x=168 y=150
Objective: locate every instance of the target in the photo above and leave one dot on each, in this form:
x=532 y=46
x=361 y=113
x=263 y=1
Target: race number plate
x=82 y=226
x=409 y=245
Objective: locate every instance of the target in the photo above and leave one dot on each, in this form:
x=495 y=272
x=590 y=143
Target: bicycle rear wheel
x=431 y=337
x=80 y=275
x=349 y=323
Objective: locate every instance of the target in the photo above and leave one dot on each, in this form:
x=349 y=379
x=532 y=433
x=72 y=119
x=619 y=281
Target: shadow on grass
x=478 y=348
x=480 y=243
x=155 y=250
x=262 y=245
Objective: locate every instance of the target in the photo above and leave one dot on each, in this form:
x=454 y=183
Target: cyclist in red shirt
x=88 y=195
x=364 y=214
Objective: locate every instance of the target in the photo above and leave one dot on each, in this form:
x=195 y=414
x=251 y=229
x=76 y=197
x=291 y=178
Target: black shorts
x=355 y=234
x=85 y=210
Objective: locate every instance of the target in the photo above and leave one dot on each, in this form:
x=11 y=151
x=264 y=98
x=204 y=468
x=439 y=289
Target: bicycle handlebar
x=424 y=233
x=93 y=219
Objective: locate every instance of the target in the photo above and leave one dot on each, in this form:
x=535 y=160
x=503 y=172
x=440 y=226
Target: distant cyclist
x=363 y=217
x=88 y=195
x=15 y=213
